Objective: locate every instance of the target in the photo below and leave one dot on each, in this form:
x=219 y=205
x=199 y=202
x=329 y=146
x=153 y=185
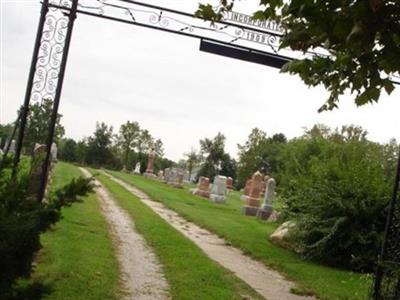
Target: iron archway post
x=28 y=92
x=54 y=113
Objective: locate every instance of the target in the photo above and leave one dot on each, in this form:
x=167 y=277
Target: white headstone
x=12 y=147
x=218 y=189
x=137 y=168
x=53 y=152
x=266 y=209
x=269 y=194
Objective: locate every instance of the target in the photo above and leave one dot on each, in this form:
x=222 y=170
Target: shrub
x=23 y=219
x=338 y=192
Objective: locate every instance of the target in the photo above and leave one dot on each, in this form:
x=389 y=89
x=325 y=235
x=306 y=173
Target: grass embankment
x=190 y=273
x=251 y=236
x=77 y=260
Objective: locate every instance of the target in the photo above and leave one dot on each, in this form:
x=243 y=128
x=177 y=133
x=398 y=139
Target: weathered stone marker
x=246 y=191
x=150 y=164
x=229 y=183
x=253 y=201
x=137 y=169
x=203 y=186
x=178 y=180
x=38 y=158
x=218 y=189
x=266 y=208
x=12 y=147
x=167 y=175
x=53 y=152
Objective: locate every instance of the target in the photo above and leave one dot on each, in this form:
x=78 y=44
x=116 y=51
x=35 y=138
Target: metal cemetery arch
x=236 y=36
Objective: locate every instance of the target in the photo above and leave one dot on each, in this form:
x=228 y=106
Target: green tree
x=259 y=153
x=128 y=139
x=99 y=146
x=81 y=151
x=5 y=132
x=361 y=40
x=145 y=142
x=192 y=160
x=337 y=190
x=68 y=150
x=159 y=148
x=38 y=124
x=215 y=161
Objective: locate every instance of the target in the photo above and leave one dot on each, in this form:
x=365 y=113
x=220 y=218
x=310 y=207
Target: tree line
x=336 y=183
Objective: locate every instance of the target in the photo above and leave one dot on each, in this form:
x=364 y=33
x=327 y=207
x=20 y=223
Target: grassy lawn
x=251 y=236
x=190 y=273
x=77 y=260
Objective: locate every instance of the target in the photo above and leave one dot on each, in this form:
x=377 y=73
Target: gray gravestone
x=137 y=169
x=266 y=208
x=218 y=189
x=12 y=147
x=53 y=152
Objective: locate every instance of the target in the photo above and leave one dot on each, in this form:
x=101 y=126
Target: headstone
x=266 y=178
x=253 y=202
x=124 y=169
x=203 y=186
x=160 y=175
x=137 y=169
x=229 y=183
x=167 y=175
x=38 y=157
x=266 y=208
x=171 y=176
x=150 y=164
x=246 y=190
x=218 y=189
x=280 y=235
x=177 y=179
x=186 y=176
x=53 y=152
x=12 y=147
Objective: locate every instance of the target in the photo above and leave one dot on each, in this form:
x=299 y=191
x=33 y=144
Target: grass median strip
x=77 y=259
x=250 y=235
x=190 y=273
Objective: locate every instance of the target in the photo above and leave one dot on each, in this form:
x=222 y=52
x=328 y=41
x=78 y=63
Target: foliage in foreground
x=338 y=193
x=23 y=219
x=336 y=184
x=361 y=39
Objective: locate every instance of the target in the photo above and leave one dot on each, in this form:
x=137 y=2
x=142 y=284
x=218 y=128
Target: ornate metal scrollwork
x=50 y=52
x=174 y=21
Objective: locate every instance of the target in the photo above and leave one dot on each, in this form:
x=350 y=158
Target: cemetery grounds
x=78 y=259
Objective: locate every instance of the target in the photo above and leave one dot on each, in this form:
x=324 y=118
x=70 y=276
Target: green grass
x=77 y=260
x=251 y=236
x=190 y=273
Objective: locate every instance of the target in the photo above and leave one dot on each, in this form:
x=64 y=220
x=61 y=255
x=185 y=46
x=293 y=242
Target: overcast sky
x=119 y=72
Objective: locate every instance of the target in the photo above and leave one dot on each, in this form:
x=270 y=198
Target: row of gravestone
x=36 y=149
x=216 y=192
x=256 y=187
